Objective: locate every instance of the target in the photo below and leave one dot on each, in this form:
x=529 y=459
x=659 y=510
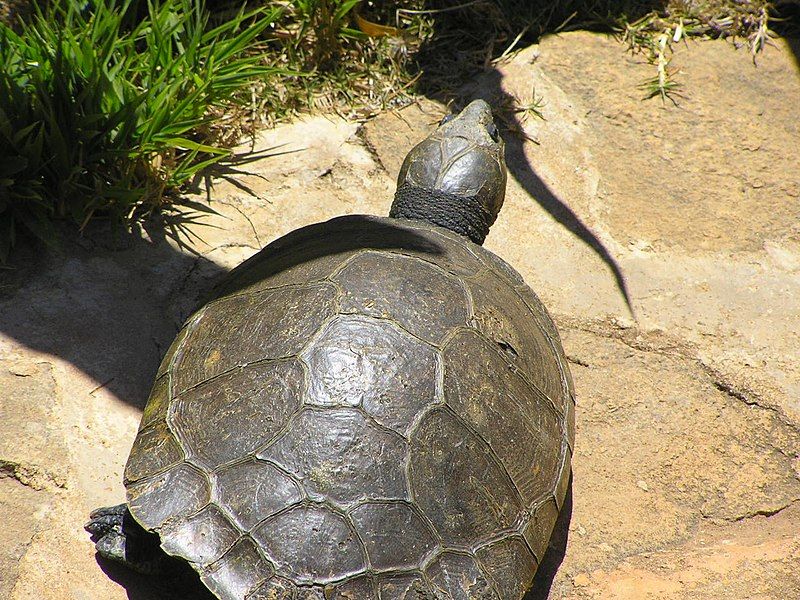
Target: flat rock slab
x=32 y=460
x=686 y=471
x=676 y=482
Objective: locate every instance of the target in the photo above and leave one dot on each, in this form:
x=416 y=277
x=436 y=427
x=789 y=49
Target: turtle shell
x=370 y=408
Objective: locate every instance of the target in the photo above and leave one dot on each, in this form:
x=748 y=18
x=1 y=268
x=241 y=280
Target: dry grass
x=744 y=22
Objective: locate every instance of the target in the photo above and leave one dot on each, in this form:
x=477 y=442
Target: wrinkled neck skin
x=463 y=215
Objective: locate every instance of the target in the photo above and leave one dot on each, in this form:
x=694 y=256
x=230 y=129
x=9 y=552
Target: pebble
x=581 y=580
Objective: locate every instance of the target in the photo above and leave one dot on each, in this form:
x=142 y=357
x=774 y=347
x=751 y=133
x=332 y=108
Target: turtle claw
x=106 y=519
x=112 y=546
x=118 y=537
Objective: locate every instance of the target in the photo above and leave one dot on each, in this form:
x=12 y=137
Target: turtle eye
x=492 y=129
x=446 y=119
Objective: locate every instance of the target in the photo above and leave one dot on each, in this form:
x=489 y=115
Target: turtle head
x=456 y=177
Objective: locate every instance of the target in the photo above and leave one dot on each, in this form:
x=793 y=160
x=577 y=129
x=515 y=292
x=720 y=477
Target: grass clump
x=105 y=112
x=450 y=41
x=745 y=22
x=454 y=39
x=346 y=67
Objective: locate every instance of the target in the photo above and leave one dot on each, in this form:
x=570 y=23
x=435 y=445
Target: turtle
x=369 y=408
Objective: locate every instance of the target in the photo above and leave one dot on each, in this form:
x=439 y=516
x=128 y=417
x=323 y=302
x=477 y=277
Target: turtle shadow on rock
x=111 y=307
x=182 y=583
x=520 y=168
x=107 y=303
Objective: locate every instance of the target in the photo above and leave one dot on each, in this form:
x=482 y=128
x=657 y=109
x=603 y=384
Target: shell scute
x=201 y=538
x=462 y=490
x=315 y=260
x=446 y=249
x=394 y=535
x=569 y=422
x=358 y=588
x=176 y=345
x=240 y=571
x=457 y=576
x=313 y=252
x=279 y=588
x=517 y=421
x=360 y=361
x=541 y=315
x=339 y=455
x=228 y=417
x=510 y=565
x=383 y=284
x=180 y=491
x=562 y=483
x=239 y=330
x=540 y=526
x=253 y=490
x=312 y=543
x=157 y=404
x=154 y=449
x=501 y=315
x=404 y=587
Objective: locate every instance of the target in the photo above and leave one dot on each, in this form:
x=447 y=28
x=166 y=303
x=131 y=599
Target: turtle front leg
x=120 y=538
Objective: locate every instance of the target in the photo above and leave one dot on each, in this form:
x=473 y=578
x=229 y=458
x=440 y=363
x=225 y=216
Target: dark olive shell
x=370 y=409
